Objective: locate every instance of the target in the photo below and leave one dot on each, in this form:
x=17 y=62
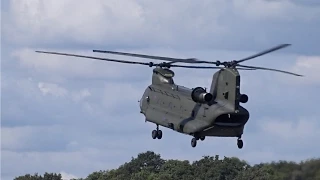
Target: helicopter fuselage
x=172 y=106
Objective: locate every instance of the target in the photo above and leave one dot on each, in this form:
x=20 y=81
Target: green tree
x=258 y=172
x=46 y=176
x=175 y=169
x=150 y=166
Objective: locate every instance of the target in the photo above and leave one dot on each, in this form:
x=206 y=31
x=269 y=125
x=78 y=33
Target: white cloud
x=289 y=130
x=143 y=23
x=11 y=139
x=285 y=10
x=25 y=137
x=89 y=21
x=122 y=94
x=106 y=21
x=52 y=89
x=78 y=96
x=58 y=91
x=259 y=9
x=310 y=66
x=62 y=67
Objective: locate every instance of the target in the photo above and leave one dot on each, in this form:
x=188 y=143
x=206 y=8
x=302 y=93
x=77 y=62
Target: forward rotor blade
x=188 y=60
x=262 y=68
x=195 y=67
x=264 y=52
x=97 y=58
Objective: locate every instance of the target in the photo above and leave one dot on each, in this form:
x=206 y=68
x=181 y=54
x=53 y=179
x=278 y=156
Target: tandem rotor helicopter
x=193 y=111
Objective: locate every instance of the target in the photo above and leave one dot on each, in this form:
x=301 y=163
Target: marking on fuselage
x=208 y=128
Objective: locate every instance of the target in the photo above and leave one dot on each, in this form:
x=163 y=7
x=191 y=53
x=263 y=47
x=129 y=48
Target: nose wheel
x=157 y=133
x=193 y=142
x=240 y=143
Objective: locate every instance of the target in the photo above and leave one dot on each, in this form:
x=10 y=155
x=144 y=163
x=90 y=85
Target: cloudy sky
x=76 y=116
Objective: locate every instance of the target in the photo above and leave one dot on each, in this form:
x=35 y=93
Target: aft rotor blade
x=206 y=67
x=97 y=58
x=246 y=69
x=187 y=60
x=264 y=52
x=262 y=68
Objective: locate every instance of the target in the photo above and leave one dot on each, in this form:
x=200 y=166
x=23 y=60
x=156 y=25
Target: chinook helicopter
x=193 y=111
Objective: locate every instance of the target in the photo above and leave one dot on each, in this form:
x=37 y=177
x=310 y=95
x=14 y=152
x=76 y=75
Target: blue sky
x=76 y=116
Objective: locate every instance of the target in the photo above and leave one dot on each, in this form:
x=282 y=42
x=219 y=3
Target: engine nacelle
x=200 y=95
x=244 y=98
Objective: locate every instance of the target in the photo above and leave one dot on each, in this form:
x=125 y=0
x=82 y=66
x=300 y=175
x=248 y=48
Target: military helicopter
x=193 y=111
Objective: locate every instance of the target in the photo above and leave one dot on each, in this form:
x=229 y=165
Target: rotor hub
x=164 y=64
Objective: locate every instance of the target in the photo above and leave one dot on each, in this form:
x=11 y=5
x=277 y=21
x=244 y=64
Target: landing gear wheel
x=159 y=134
x=202 y=138
x=193 y=142
x=154 y=134
x=240 y=143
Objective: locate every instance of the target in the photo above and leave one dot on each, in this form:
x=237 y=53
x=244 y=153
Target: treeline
x=150 y=166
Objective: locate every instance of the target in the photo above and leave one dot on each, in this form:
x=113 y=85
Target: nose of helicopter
x=143 y=102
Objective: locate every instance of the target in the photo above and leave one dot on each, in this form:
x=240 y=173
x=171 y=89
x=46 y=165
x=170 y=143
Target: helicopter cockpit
x=162 y=76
